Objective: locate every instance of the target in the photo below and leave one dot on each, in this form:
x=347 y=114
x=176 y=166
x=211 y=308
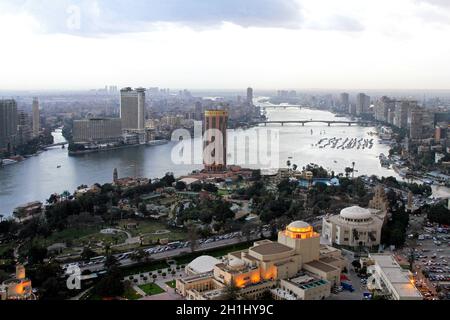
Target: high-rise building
x=8 y=124
x=402 y=110
x=198 y=111
x=24 y=133
x=215 y=137
x=383 y=107
x=344 y=102
x=421 y=124
x=250 y=96
x=362 y=104
x=132 y=108
x=97 y=130
x=36 y=117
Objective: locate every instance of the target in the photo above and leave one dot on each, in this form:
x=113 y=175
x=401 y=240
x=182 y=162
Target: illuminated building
x=215 y=137
x=296 y=266
x=389 y=279
x=17 y=288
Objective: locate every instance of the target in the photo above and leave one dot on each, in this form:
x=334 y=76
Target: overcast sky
x=225 y=44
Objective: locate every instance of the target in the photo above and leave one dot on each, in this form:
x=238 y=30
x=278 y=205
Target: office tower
x=250 y=96
x=441 y=131
x=8 y=124
x=215 y=131
x=345 y=102
x=24 y=131
x=198 y=111
x=352 y=108
x=97 y=130
x=132 y=108
x=402 y=110
x=383 y=107
x=421 y=124
x=36 y=117
x=362 y=104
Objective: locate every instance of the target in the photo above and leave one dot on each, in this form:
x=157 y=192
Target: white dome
x=203 y=264
x=355 y=212
x=236 y=263
x=298 y=225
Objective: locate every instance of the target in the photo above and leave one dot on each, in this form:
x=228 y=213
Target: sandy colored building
x=296 y=267
x=17 y=288
x=354 y=227
x=388 y=278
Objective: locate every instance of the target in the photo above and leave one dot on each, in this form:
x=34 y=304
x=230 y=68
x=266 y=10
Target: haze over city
x=323 y=44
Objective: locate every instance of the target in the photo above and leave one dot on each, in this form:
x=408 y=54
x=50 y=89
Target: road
x=176 y=252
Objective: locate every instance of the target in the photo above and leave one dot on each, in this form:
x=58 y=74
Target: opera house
x=296 y=267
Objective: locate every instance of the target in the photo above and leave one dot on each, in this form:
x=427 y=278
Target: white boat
x=7 y=162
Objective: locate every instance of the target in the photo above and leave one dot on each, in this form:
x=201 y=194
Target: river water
x=38 y=177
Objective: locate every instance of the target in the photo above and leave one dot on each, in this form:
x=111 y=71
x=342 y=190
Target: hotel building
x=215 y=140
x=97 y=130
x=296 y=267
x=132 y=108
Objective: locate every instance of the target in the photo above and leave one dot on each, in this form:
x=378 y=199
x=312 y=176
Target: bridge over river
x=303 y=122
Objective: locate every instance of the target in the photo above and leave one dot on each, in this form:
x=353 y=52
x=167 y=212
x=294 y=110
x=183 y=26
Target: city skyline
x=300 y=44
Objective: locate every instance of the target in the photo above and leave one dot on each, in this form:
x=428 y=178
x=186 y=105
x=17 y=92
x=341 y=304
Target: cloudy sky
x=225 y=44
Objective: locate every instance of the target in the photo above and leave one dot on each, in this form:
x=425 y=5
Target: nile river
x=38 y=177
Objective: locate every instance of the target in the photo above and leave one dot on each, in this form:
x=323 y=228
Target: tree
x=36 y=254
x=192 y=236
x=87 y=254
x=110 y=286
x=196 y=187
x=231 y=291
x=180 y=186
x=111 y=262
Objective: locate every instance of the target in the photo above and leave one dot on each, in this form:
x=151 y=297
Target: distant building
x=250 y=96
x=24 y=132
x=28 y=210
x=97 y=130
x=8 y=125
x=383 y=108
x=36 y=117
x=402 y=110
x=362 y=104
x=215 y=148
x=132 y=108
x=421 y=124
x=344 y=102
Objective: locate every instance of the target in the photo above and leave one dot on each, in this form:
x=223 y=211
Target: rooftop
x=320 y=266
x=271 y=248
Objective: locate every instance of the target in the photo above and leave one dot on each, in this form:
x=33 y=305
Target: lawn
x=171 y=284
x=151 y=289
x=131 y=294
x=148 y=228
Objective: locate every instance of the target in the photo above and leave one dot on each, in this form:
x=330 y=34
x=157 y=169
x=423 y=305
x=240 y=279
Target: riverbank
x=103 y=149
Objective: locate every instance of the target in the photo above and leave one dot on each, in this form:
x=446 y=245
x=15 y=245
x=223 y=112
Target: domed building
x=295 y=267
x=354 y=227
x=17 y=288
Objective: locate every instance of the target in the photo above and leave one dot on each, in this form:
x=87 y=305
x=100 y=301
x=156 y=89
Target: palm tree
x=353 y=169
